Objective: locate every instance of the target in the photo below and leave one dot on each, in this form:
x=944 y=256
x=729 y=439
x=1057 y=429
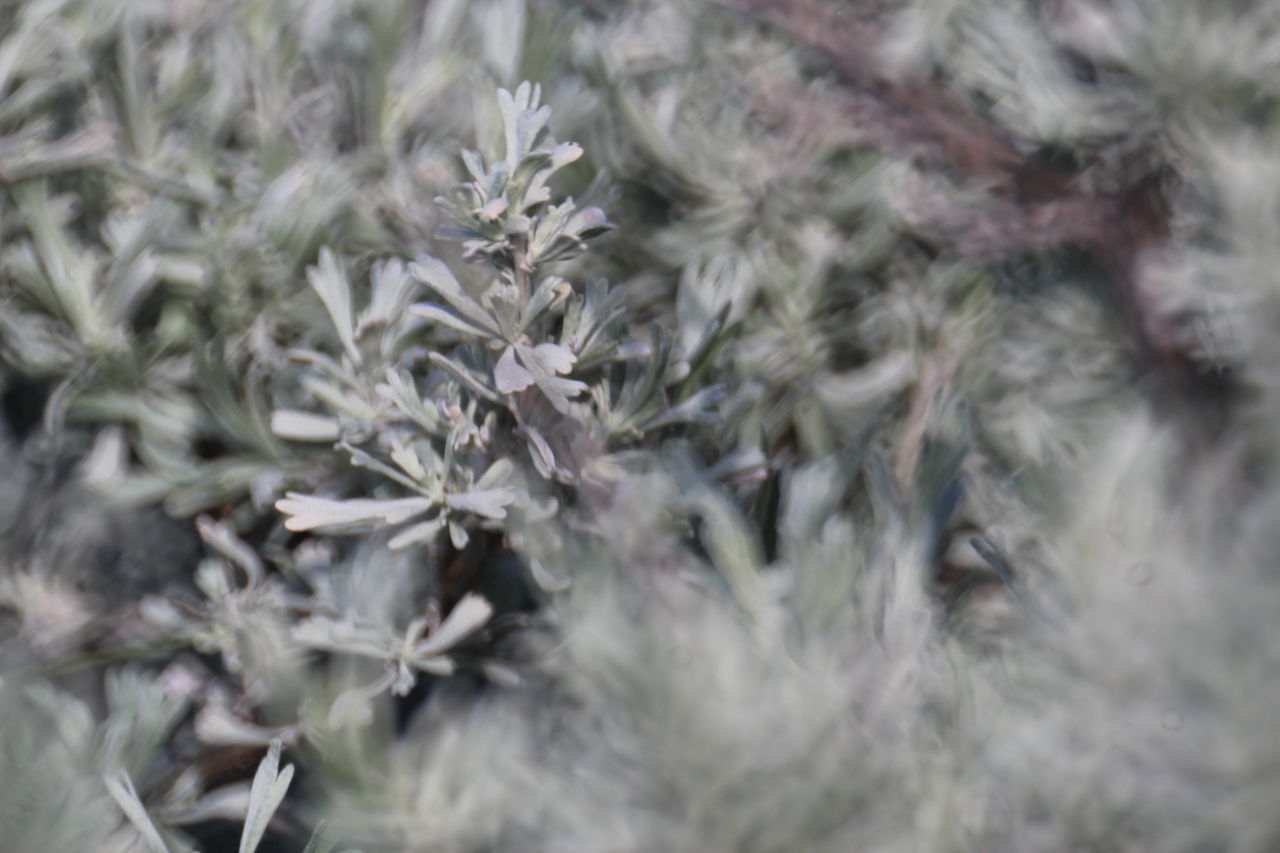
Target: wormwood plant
x=930 y=554
x=443 y=398
x=169 y=173
x=512 y=395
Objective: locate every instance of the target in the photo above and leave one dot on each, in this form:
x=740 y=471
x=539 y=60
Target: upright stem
x=519 y=273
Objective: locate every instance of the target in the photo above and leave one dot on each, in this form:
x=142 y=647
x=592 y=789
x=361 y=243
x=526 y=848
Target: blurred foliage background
x=895 y=471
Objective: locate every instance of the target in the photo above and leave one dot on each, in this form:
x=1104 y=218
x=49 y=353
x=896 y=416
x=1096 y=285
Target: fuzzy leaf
x=543 y=458
x=499 y=472
x=453 y=319
x=122 y=791
x=510 y=377
x=475 y=164
x=437 y=275
x=557 y=358
x=352 y=706
x=221 y=536
x=467 y=377
x=392 y=288
x=489 y=503
x=558 y=391
x=323 y=632
x=492 y=210
x=408 y=461
x=400 y=390
x=269 y=787
x=468 y=615
x=304 y=426
x=458 y=534
x=329 y=282
x=421 y=532
x=311 y=513
x=550 y=292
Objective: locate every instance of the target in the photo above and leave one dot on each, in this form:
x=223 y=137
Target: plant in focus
x=484 y=409
x=441 y=398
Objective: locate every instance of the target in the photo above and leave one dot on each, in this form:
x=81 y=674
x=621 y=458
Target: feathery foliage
x=862 y=437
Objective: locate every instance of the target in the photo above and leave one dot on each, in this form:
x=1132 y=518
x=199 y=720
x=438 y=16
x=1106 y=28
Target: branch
x=1031 y=207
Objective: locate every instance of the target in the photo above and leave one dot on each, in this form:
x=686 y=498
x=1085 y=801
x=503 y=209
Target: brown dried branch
x=1029 y=207
x=919 y=113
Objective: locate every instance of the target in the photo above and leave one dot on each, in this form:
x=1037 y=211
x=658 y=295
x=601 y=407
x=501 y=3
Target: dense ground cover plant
x=895 y=470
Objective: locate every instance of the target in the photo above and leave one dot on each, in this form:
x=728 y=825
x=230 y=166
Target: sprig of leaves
x=433 y=395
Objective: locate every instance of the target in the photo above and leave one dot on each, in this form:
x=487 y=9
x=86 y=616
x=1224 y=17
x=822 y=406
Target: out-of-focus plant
x=166 y=175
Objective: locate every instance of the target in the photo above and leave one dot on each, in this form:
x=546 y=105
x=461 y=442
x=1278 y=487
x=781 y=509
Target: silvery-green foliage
x=1179 y=91
x=466 y=776
x=269 y=786
x=79 y=778
x=422 y=648
x=1146 y=553
x=435 y=395
x=243 y=619
x=832 y=375
x=264 y=797
x=782 y=232
x=169 y=172
x=835 y=717
x=47 y=743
